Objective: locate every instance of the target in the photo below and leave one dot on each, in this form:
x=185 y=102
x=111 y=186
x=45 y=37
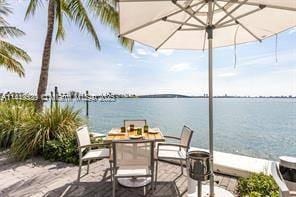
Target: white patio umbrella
x=187 y=24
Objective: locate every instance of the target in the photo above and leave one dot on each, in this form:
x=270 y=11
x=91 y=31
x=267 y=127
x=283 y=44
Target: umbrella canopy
x=188 y=24
x=181 y=24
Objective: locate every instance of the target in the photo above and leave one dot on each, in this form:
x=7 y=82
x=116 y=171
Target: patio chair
x=136 y=123
x=285 y=190
x=174 y=151
x=86 y=151
x=132 y=159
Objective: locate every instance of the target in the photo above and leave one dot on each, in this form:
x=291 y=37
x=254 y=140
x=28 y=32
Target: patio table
x=155 y=137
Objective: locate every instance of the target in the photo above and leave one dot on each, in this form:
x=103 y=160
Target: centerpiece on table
x=146 y=128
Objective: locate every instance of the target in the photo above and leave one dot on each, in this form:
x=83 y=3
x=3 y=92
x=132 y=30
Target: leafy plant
x=64 y=150
x=51 y=124
x=258 y=185
x=13 y=114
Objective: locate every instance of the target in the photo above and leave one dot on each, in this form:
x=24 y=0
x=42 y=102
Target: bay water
x=257 y=127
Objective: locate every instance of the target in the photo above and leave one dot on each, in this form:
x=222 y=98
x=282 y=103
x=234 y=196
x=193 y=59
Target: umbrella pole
x=209 y=30
x=211 y=147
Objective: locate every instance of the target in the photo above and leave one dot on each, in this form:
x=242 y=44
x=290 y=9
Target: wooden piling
x=56 y=95
x=86 y=101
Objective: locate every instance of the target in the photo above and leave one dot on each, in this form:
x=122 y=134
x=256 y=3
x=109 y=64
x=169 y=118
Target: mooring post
x=51 y=99
x=56 y=95
x=86 y=103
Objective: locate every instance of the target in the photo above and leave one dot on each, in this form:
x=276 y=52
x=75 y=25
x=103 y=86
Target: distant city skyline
x=76 y=64
x=70 y=93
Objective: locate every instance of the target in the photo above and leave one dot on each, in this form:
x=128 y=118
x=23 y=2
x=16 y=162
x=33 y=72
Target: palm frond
x=126 y=42
x=14 y=51
x=60 y=35
x=65 y=8
x=9 y=31
x=79 y=15
x=4 y=8
x=10 y=57
x=106 y=12
x=32 y=7
x=11 y=64
x=3 y=21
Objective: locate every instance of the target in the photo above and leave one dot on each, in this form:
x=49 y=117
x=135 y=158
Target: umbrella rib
x=241 y=16
x=179 y=28
x=226 y=25
x=242 y=25
x=197 y=27
x=182 y=23
x=269 y=6
x=191 y=29
x=189 y=2
x=157 y=20
x=172 y=34
x=230 y=12
x=186 y=10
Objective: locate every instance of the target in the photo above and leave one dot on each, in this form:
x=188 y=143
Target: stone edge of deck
x=238 y=165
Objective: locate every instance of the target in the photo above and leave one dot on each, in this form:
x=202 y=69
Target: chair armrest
x=279 y=181
x=172 y=137
x=171 y=144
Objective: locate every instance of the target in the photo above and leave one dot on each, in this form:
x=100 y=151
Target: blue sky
x=77 y=65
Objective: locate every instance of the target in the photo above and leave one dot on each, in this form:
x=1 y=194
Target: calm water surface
x=263 y=128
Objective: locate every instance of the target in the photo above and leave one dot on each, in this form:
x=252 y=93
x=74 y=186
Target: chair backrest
x=133 y=154
x=136 y=123
x=186 y=136
x=83 y=136
x=275 y=172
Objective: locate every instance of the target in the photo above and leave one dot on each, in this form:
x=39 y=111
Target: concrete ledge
x=238 y=165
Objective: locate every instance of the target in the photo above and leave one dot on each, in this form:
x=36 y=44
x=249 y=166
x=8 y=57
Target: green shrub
x=13 y=114
x=64 y=150
x=258 y=185
x=52 y=124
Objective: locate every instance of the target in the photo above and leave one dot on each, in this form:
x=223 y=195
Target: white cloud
x=141 y=52
x=135 y=56
x=180 y=67
x=166 y=52
x=154 y=54
x=146 y=52
x=267 y=59
x=229 y=74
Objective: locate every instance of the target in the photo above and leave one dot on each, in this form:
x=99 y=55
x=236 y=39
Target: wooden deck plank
x=232 y=186
x=54 y=179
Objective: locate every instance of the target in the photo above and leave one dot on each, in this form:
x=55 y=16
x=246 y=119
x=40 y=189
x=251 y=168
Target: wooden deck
x=37 y=177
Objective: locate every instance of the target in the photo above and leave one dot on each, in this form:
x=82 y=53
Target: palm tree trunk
x=43 y=79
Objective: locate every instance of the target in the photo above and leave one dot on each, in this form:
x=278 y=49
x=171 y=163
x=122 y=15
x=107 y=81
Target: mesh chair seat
x=96 y=154
x=136 y=171
x=171 y=152
x=132 y=159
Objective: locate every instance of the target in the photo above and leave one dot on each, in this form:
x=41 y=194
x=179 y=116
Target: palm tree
x=76 y=11
x=10 y=55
